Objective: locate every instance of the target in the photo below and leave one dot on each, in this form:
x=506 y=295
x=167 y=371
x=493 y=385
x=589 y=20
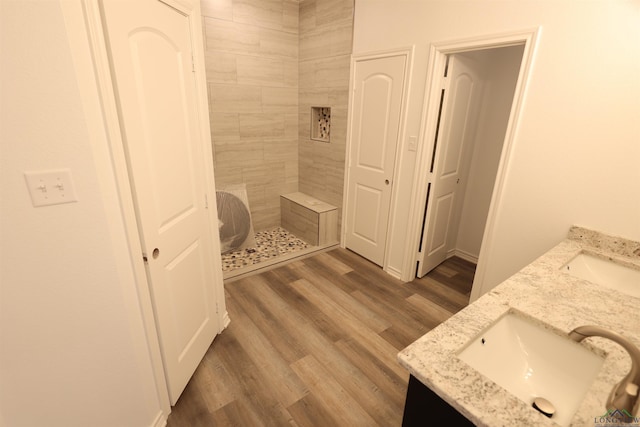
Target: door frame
x=112 y=128
x=437 y=60
x=408 y=53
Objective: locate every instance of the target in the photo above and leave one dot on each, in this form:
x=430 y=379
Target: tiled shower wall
x=251 y=54
x=268 y=62
x=326 y=28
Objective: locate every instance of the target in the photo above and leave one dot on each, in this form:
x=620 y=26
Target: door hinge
x=144 y=257
x=206 y=201
x=193 y=64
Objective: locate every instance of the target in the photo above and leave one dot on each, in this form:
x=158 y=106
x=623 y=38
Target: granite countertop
x=554 y=299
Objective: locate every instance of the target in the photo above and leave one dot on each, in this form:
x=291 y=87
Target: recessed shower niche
x=320 y=123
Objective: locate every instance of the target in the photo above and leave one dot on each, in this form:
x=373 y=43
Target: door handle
x=155 y=254
x=386 y=182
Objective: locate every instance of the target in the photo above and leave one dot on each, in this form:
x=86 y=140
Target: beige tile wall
x=324 y=55
x=268 y=62
x=251 y=56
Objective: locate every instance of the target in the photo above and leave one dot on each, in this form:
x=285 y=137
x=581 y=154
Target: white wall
x=72 y=342
x=576 y=153
x=498 y=69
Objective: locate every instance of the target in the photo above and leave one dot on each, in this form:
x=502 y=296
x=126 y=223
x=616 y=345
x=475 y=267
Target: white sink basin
x=605 y=273
x=530 y=361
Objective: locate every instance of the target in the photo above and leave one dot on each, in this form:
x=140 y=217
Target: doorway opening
x=473 y=103
x=475 y=107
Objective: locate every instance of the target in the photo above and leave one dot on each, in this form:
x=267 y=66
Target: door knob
x=155 y=253
x=386 y=182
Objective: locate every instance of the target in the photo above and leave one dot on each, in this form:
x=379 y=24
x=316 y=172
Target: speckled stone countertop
x=543 y=292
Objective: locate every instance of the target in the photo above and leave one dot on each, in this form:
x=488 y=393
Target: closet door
x=150 y=46
x=452 y=156
x=376 y=105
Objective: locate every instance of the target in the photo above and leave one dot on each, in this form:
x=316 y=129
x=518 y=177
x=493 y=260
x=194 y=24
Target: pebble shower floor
x=269 y=244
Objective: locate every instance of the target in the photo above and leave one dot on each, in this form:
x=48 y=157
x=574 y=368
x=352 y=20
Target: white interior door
x=448 y=179
x=375 y=128
x=150 y=48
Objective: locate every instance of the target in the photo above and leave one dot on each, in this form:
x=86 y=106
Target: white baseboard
x=394 y=272
x=226 y=320
x=160 y=421
x=464 y=255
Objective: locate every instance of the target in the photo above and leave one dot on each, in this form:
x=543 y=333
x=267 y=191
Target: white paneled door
x=450 y=169
x=376 y=107
x=150 y=46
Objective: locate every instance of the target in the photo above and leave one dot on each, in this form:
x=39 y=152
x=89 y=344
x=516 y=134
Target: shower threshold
x=274 y=247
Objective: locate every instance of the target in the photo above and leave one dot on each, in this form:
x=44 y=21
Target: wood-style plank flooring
x=314 y=343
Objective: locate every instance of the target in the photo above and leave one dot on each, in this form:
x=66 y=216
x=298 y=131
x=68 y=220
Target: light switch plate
x=413 y=143
x=52 y=187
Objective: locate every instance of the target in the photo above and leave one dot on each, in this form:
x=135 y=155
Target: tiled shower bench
x=310 y=219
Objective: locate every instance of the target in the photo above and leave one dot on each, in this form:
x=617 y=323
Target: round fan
x=235 y=220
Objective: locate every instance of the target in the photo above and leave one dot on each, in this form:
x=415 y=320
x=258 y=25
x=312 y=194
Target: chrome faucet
x=624 y=395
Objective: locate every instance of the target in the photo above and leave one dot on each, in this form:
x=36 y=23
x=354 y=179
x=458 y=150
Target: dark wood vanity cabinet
x=425 y=408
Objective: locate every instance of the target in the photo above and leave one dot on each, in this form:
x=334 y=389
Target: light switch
x=51 y=187
x=413 y=143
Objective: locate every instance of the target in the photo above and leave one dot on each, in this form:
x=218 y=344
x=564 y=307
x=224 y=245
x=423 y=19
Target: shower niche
x=321 y=124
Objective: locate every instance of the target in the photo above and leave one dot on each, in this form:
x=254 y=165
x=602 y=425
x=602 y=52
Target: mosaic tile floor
x=269 y=244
